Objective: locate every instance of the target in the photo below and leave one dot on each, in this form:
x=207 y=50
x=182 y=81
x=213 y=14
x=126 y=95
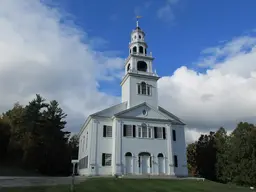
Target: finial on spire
x=137 y=22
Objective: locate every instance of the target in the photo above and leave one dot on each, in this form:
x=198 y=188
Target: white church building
x=137 y=136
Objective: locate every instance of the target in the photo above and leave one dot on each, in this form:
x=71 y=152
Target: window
x=144 y=130
x=175 y=161
x=142 y=65
x=129 y=131
x=144 y=89
x=107 y=131
x=128 y=67
x=159 y=132
x=139 y=36
x=134 y=49
x=174 y=135
x=140 y=49
x=139 y=130
x=139 y=89
x=106 y=159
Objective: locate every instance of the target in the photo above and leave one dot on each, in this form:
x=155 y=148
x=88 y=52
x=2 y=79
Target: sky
x=74 y=51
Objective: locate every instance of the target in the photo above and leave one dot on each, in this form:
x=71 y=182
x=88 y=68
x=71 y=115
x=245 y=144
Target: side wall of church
x=84 y=150
x=179 y=149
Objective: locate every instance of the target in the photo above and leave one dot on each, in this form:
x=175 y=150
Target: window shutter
x=103 y=159
x=124 y=133
x=148 y=90
x=174 y=135
x=164 y=135
x=139 y=161
x=150 y=161
x=104 y=130
x=134 y=130
x=175 y=161
x=155 y=132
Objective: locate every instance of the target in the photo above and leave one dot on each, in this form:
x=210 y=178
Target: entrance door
x=160 y=163
x=145 y=163
x=128 y=163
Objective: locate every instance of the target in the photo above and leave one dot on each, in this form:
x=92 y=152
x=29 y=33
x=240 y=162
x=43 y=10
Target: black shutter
x=174 y=135
x=124 y=134
x=103 y=159
x=134 y=130
x=164 y=135
x=150 y=161
x=175 y=161
x=139 y=89
x=104 y=131
x=155 y=132
x=139 y=161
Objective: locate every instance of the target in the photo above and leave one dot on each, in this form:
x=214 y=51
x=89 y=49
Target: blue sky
x=176 y=39
x=74 y=50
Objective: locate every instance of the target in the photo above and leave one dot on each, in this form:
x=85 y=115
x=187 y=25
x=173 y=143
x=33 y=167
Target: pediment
x=139 y=112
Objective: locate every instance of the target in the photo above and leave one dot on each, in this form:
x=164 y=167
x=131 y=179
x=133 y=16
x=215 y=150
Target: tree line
x=33 y=137
x=225 y=158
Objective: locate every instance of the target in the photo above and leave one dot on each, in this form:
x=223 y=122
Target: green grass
x=139 y=185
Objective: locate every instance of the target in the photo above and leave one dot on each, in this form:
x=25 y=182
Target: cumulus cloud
x=222 y=96
x=42 y=54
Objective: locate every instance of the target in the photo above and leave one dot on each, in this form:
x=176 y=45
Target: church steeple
x=139 y=82
x=138 y=44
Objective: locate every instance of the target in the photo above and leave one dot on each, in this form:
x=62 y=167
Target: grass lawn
x=139 y=185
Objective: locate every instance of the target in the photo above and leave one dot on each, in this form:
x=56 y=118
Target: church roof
x=121 y=111
x=109 y=112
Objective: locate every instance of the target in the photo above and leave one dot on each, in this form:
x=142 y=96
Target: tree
x=222 y=162
x=5 y=134
x=73 y=143
x=206 y=156
x=191 y=156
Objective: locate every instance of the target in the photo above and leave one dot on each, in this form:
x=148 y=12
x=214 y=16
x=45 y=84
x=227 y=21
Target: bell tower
x=140 y=82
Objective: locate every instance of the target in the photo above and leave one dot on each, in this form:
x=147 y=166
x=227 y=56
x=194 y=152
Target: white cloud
x=166 y=12
x=59 y=61
x=222 y=96
x=41 y=55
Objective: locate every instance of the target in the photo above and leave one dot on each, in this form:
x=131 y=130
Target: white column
x=113 y=147
x=118 y=148
x=134 y=164
x=94 y=148
x=169 y=162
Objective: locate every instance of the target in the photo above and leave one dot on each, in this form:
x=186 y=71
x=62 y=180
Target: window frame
x=106 y=130
x=104 y=157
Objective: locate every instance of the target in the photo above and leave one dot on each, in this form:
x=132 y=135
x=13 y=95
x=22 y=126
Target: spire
x=137 y=22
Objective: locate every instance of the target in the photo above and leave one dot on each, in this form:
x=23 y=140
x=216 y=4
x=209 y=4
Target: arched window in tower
x=143 y=88
x=134 y=49
x=142 y=66
x=141 y=49
x=139 y=36
x=128 y=67
x=145 y=51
